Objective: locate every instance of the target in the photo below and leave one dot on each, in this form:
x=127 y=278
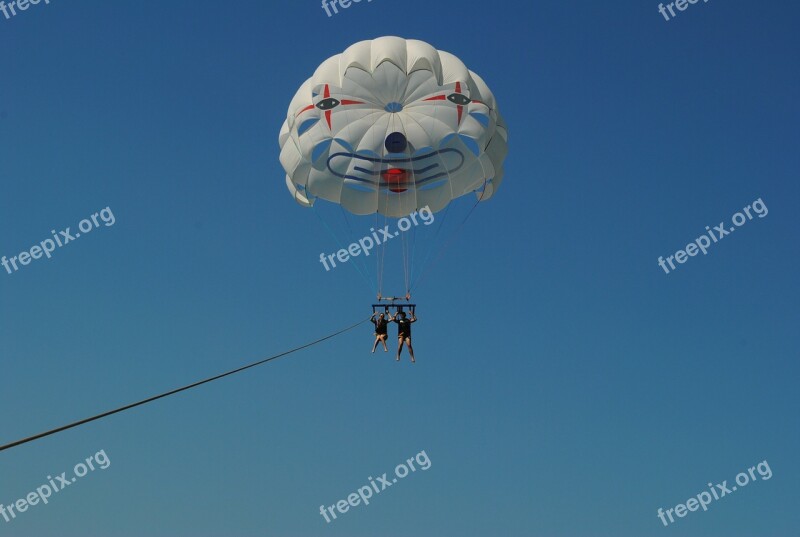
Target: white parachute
x=390 y=126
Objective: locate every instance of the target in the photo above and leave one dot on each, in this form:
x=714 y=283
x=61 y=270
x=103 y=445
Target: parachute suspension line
x=177 y=390
x=425 y=267
x=413 y=255
x=412 y=241
x=405 y=245
x=384 y=249
x=429 y=247
x=378 y=257
x=452 y=236
x=385 y=219
x=350 y=233
x=379 y=254
x=380 y=190
x=339 y=243
x=408 y=238
x=378 y=272
x=432 y=241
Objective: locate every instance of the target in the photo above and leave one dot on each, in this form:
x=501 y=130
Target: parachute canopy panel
x=390 y=126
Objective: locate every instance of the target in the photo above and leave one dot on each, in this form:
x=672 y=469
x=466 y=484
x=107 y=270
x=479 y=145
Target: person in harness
x=381 y=331
x=404 y=332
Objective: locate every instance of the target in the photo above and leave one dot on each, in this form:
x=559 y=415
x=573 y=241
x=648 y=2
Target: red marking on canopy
x=396 y=179
x=460 y=107
x=306 y=109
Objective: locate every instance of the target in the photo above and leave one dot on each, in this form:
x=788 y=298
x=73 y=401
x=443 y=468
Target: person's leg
x=375 y=346
x=410 y=349
x=399 y=347
x=383 y=340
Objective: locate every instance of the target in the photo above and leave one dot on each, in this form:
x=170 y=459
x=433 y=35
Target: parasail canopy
x=390 y=126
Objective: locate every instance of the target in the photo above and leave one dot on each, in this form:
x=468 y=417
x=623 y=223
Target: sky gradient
x=564 y=385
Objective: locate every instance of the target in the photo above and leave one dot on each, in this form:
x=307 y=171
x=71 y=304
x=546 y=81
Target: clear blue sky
x=565 y=385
